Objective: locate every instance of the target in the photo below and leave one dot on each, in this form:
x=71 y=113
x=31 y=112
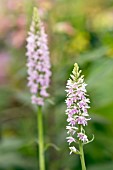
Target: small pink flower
x=81 y=120
x=37 y=100
x=82 y=137
x=70 y=139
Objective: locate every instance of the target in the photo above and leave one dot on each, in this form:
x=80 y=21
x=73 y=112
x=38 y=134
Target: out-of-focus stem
x=40 y=139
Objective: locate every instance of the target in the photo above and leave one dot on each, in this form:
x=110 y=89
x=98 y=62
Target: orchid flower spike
x=38 y=61
x=77 y=109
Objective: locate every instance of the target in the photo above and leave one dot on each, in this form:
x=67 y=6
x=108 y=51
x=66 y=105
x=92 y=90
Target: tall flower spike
x=77 y=111
x=38 y=61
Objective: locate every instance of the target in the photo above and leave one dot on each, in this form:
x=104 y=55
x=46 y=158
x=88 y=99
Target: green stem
x=41 y=139
x=82 y=155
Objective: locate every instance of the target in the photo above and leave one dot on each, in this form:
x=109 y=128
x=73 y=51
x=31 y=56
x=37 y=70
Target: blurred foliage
x=78 y=31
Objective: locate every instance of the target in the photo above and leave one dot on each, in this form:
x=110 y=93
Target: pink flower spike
x=38 y=61
x=77 y=107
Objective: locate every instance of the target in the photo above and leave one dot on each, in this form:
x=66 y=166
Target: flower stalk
x=77 y=113
x=82 y=156
x=38 y=63
x=40 y=139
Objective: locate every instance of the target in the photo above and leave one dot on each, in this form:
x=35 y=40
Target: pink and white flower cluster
x=77 y=107
x=38 y=61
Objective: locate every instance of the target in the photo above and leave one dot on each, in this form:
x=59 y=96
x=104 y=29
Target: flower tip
x=35 y=10
x=75 y=65
x=35 y=14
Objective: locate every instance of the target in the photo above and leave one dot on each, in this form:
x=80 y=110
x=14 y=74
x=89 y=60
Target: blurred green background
x=78 y=31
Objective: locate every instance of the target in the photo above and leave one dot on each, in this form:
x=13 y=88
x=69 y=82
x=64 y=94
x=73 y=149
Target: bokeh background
x=78 y=31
